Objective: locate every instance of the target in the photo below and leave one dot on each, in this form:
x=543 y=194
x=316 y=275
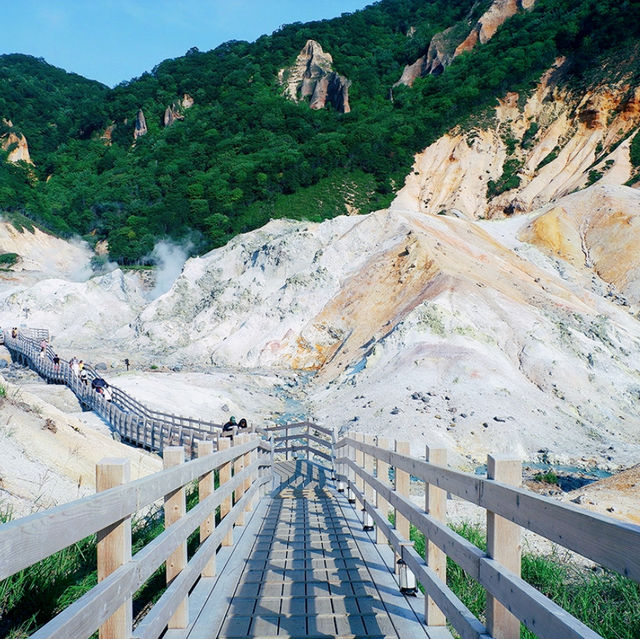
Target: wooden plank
x=369 y=465
x=436 y=506
x=249 y=459
x=86 y=614
x=359 y=459
x=504 y=545
x=238 y=465
x=224 y=476
x=175 y=508
x=537 y=612
x=382 y=473
x=114 y=547
x=155 y=622
x=402 y=481
x=206 y=488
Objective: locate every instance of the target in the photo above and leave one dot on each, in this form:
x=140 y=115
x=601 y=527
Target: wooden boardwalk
x=308 y=570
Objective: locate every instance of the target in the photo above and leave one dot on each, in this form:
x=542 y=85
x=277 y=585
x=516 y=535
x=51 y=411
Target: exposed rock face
x=558 y=142
x=187 y=101
x=18 y=145
x=108 y=133
x=387 y=305
x=446 y=46
x=140 y=127
x=175 y=111
x=437 y=58
x=171 y=114
x=597 y=228
x=42 y=467
x=313 y=77
x=489 y=22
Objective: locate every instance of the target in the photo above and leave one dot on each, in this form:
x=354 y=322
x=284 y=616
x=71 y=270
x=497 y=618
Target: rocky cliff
x=531 y=152
x=312 y=77
x=449 y=44
x=140 y=126
x=16 y=144
x=176 y=110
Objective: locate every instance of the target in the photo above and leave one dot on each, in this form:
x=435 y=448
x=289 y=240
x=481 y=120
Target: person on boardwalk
x=56 y=362
x=126 y=363
x=227 y=429
x=242 y=424
x=84 y=378
x=14 y=332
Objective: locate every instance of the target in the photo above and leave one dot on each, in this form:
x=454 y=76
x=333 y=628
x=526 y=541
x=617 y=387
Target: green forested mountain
x=244 y=153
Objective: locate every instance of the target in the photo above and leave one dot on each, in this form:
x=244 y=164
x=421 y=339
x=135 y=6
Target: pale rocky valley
x=505 y=324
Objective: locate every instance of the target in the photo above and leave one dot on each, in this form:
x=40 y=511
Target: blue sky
x=116 y=40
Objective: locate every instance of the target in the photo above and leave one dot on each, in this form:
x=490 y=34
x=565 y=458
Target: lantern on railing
x=340 y=485
x=350 y=495
x=406 y=579
x=367 y=520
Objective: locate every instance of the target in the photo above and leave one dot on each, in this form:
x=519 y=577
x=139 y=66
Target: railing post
x=504 y=545
x=369 y=493
x=238 y=466
x=350 y=472
x=249 y=458
x=206 y=488
x=175 y=507
x=436 y=506
x=114 y=547
x=224 y=475
x=359 y=459
x=401 y=486
x=382 y=473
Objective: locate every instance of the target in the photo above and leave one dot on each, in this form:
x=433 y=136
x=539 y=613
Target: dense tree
x=244 y=153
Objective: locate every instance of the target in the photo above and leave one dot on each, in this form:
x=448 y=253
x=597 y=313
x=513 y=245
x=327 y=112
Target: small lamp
x=407 y=579
x=367 y=520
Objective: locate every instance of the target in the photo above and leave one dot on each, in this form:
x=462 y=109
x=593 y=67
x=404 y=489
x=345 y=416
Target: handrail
x=46 y=532
x=612 y=543
x=306 y=435
x=605 y=540
x=28 y=540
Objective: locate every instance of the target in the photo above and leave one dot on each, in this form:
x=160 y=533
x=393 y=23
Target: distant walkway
x=311 y=572
x=130 y=420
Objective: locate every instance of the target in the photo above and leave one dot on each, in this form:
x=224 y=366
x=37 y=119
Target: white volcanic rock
x=597 y=228
x=78 y=314
x=42 y=255
x=44 y=464
x=397 y=304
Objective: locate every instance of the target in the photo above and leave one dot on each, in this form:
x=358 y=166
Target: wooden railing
x=108 y=514
x=313 y=441
x=131 y=420
x=364 y=463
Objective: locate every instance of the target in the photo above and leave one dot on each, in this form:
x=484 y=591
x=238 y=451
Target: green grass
x=548 y=477
x=603 y=600
x=33 y=596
